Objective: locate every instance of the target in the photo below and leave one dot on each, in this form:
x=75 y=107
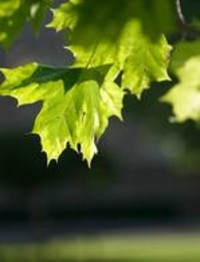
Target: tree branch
x=179 y=11
x=187 y=30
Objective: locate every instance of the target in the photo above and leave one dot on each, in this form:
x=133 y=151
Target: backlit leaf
x=77 y=104
x=185 y=95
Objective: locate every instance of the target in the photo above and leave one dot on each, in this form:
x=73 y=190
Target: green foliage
x=119 y=46
x=119 y=40
x=106 y=19
x=132 y=52
x=14 y=14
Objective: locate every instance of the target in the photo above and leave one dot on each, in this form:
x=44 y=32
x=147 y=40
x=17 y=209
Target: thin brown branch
x=187 y=30
x=179 y=11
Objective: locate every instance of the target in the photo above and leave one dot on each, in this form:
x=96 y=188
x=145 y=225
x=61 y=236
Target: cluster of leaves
x=119 y=46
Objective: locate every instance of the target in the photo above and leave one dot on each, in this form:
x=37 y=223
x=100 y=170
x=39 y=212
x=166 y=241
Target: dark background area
x=146 y=174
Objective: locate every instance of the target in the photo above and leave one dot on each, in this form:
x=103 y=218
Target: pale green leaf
x=77 y=104
x=185 y=95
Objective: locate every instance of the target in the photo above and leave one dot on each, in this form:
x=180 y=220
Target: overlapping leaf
x=14 y=14
x=130 y=40
x=77 y=104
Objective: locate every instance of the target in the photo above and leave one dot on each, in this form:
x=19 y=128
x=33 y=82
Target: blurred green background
x=138 y=202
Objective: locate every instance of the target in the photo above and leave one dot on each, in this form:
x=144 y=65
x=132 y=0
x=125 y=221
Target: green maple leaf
x=185 y=95
x=77 y=104
x=15 y=13
x=122 y=42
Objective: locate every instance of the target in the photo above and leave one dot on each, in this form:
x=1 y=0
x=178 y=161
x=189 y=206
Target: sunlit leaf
x=185 y=95
x=77 y=104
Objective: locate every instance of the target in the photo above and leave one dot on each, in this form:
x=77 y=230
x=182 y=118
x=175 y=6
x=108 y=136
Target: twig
x=187 y=30
x=179 y=11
